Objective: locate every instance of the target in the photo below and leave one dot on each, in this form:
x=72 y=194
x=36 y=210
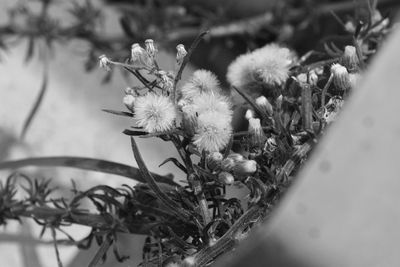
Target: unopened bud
x=166 y=81
x=104 y=62
x=340 y=76
x=129 y=91
x=150 y=48
x=279 y=101
x=313 y=78
x=256 y=132
x=227 y=164
x=350 y=58
x=181 y=53
x=249 y=114
x=350 y=27
x=136 y=52
x=235 y=156
x=264 y=104
x=301 y=78
x=129 y=101
x=245 y=167
x=214 y=160
x=226 y=178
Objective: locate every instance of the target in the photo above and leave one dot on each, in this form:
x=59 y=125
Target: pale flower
x=155 y=113
x=209 y=102
x=201 y=81
x=213 y=132
x=269 y=65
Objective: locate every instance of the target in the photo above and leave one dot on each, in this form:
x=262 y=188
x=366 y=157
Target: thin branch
x=186 y=60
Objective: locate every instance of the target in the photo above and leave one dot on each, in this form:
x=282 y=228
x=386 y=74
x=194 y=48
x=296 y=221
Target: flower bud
x=235 y=157
x=167 y=82
x=340 y=77
x=313 y=78
x=350 y=27
x=140 y=56
x=181 y=53
x=279 y=101
x=214 y=160
x=256 y=132
x=129 y=91
x=245 y=167
x=136 y=52
x=249 y=114
x=129 y=101
x=301 y=78
x=226 y=178
x=264 y=104
x=104 y=62
x=350 y=58
x=227 y=164
x=150 y=48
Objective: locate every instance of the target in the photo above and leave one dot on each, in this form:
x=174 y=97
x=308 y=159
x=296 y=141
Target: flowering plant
x=289 y=102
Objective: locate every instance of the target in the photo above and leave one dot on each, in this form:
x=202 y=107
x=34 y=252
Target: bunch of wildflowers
x=193 y=222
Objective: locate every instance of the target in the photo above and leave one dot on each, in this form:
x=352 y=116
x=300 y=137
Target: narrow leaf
x=89 y=164
x=97 y=259
x=248 y=98
x=117 y=112
x=36 y=105
x=30 y=50
x=134 y=133
x=169 y=203
x=176 y=162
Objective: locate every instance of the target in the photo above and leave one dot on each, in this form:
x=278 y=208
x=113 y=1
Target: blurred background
x=69 y=120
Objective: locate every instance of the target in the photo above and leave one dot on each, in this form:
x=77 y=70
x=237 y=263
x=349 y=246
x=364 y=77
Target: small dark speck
x=325 y=166
x=314 y=233
x=368 y=122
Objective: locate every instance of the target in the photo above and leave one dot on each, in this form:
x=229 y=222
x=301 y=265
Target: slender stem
x=325 y=90
x=185 y=61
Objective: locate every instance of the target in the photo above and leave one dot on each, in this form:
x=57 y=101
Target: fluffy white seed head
x=155 y=113
x=213 y=131
x=201 y=81
x=209 y=102
x=269 y=65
